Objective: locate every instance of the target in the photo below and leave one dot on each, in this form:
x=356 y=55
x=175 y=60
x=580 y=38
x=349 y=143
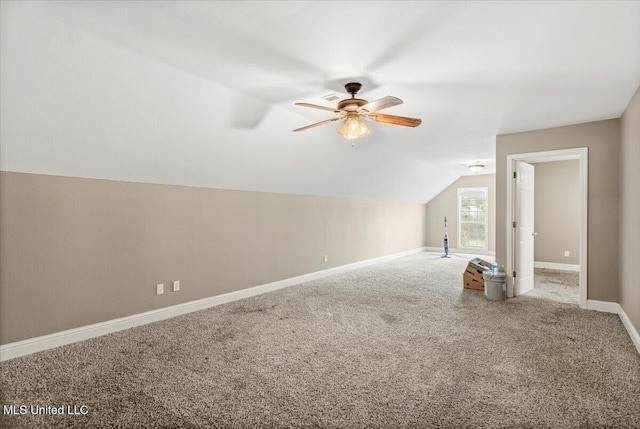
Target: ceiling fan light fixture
x=351 y=110
x=352 y=128
x=476 y=167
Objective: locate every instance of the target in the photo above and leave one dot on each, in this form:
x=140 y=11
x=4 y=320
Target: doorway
x=580 y=154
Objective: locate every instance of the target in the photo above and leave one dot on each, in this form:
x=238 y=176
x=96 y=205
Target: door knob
x=534 y=234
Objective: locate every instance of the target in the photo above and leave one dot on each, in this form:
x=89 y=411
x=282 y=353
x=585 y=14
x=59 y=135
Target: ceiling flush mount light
x=352 y=110
x=476 y=167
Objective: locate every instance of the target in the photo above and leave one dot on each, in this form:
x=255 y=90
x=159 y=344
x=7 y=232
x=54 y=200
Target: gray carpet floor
x=556 y=285
x=397 y=345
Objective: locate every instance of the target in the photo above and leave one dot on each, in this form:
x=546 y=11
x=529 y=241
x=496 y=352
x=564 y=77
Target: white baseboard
x=633 y=333
x=453 y=251
x=614 y=307
x=604 y=306
x=38 y=344
x=555 y=266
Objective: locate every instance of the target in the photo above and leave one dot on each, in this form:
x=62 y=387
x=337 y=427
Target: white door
x=524 y=233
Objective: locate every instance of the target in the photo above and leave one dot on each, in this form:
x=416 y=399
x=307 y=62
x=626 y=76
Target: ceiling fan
x=350 y=111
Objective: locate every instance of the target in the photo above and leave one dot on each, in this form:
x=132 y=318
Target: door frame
x=581 y=154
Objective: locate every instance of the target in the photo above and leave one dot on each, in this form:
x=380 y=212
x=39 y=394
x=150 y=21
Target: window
x=472 y=218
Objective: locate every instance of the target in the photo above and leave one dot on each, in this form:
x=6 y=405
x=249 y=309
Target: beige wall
x=603 y=140
x=80 y=251
x=557 y=211
x=446 y=204
x=630 y=210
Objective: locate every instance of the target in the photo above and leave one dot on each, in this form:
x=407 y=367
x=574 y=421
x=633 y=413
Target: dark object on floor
x=472 y=277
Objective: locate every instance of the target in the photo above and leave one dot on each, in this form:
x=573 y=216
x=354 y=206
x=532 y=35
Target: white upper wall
x=202 y=93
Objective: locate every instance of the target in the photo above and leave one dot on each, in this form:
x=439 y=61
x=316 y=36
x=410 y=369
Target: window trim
x=485 y=190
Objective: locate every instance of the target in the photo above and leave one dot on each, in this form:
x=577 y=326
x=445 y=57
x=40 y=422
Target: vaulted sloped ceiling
x=201 y=93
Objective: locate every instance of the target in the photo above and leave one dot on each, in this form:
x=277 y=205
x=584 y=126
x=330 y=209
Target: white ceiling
x=201 y=93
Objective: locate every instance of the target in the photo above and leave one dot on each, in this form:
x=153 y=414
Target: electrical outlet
x=159 y=288
x=326 y=258
x=176 y=285
x=566 y=253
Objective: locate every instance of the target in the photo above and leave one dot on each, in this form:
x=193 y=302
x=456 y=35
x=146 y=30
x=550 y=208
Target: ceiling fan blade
x=395 y=120
x=381 y=103
x=317 y=123
x=315 y=106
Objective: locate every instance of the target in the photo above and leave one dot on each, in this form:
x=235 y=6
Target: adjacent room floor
x=556 y=285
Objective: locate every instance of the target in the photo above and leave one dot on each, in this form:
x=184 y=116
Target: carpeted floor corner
x=395 y=345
